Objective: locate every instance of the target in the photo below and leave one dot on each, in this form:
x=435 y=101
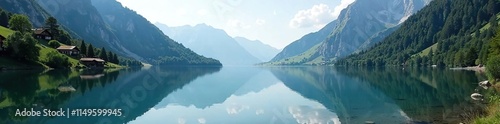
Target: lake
x=253 y=95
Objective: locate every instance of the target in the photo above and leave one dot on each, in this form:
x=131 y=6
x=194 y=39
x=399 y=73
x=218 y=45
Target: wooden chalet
x=93 y=62
x=42 y=33
x=69 y=50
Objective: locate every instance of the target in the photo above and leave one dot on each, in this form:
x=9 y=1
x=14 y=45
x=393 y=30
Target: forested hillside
x=445 y=33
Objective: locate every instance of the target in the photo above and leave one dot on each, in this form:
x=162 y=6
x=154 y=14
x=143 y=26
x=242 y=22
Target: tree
x=103 y=54
x=494 y=45
x=54 y=43
x=459 y=57
x=20 y=23
x=471 y=56
x=115 y=58
x=493 y=67
x=56 y=60
x=53 y=28
x=23 y=46
x=51 y=23
x=64 y=37
x=83 y=48
x=90 y=51
x=109 y=56
x=4 y=19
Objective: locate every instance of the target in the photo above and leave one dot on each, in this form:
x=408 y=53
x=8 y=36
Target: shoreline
x=480 y=69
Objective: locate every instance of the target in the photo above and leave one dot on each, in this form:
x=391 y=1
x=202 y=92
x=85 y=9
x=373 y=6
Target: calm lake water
x=253 y=95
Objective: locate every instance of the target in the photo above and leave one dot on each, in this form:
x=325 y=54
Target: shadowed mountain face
x=28 y=7
x=411 y=95
x=211 y=42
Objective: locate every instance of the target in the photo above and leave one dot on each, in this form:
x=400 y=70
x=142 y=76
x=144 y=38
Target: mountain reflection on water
x=243 y=94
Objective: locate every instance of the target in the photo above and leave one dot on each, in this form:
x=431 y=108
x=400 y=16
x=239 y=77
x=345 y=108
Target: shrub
x=54 y=43
x=23 y=46
x=493 y=67
x=56 y=60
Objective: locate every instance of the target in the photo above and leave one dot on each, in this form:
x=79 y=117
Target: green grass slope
x=9 y=63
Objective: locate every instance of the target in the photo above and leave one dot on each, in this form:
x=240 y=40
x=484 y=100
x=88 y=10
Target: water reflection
x=425 y=94
x=354 y=100
x=243 y=95
x=237 y=95
x=133 y=90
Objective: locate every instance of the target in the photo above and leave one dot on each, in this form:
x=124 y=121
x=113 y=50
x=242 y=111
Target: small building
x=93 y=62
x=42 y=33
x=69 y=50
x=2 y=39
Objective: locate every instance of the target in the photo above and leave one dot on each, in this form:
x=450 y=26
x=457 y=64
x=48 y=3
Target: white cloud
x=260 y=21
x=316 y=16
x=343 y=4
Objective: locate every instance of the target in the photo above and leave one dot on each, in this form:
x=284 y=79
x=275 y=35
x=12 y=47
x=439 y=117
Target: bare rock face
x=362 y=21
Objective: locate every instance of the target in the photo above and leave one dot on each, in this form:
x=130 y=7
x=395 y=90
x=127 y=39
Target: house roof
x=91 y=59
x=66 y=48
x=39 y=30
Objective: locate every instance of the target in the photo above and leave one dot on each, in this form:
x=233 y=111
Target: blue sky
x=274 y=22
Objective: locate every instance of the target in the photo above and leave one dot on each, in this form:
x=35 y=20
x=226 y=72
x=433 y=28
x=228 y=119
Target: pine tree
x=103 y=54
x=4 y=19
x=83 y=48
x=115 y=59
x=51 y=23
x=109 y=56
x=90 y=51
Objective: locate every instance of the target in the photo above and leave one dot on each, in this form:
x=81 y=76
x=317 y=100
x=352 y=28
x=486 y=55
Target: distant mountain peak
x=211 y=42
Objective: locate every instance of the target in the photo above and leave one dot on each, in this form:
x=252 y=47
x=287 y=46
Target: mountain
x=106 y=23
x=445 y=33
x=306 y=42
x=258 y=49
x=361 y=24
x=210 y=42
x=28 y=7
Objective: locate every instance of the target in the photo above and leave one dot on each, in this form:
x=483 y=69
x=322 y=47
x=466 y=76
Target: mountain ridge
x=262 y=51
x=211 y=42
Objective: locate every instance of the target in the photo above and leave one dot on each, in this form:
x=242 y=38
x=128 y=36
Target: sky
x=274 y=22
